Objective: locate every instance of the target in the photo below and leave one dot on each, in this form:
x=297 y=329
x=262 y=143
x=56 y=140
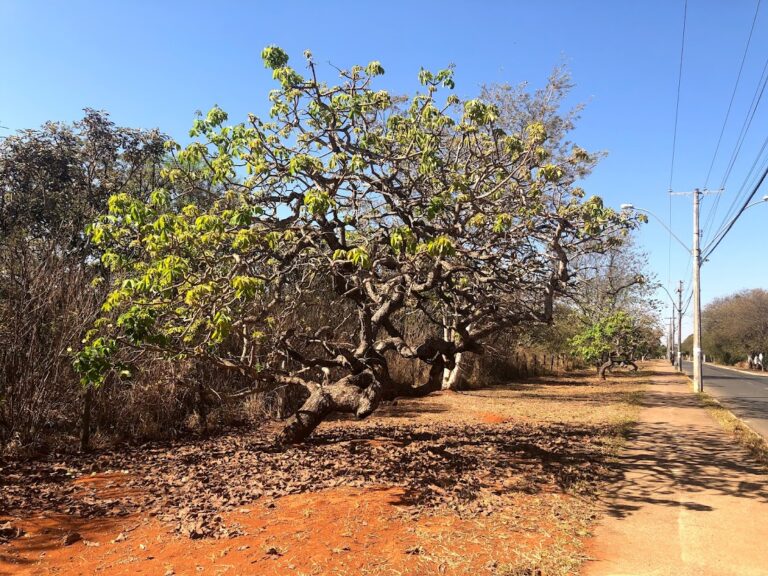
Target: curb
x=724 y=407
x=758 y=374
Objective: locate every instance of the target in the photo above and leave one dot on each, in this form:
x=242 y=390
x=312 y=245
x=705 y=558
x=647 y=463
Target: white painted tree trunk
x=452 y=377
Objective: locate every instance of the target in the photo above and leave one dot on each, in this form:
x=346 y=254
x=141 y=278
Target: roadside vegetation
x=366 y=299
x=353 y=247
x=743 y=434
x=735 y=327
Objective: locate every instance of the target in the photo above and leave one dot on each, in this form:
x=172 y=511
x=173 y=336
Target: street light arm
x=660 y=285
x=632 y=207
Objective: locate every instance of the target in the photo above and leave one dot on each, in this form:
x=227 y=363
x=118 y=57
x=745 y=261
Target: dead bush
x=45 y=305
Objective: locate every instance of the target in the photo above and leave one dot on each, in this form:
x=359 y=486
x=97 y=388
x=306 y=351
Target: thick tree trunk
x=433 y=383
x=605 y=366
x=452 y=377
x=608 y=364
x=202 y=408
x=358 y=394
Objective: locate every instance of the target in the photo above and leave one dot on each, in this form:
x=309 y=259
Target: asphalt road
x=746 y=395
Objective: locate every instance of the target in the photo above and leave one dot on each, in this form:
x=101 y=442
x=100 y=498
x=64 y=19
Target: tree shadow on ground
x=458 y=466
x=50 y=532
x=462 y=465
x=662 y=461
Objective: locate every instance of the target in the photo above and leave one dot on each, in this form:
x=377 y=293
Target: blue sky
x=152 y=63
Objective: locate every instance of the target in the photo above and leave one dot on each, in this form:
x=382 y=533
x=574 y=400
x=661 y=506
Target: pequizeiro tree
x=335 y=219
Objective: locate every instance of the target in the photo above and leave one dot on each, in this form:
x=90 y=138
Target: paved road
x=746 y=395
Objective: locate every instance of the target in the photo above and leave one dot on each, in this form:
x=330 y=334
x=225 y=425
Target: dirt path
x=691 y=503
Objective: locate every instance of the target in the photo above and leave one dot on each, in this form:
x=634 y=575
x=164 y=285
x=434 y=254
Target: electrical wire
x=737 y=198
x=745 y=186
x=709 y=220
x=741 y=211
x=674 y=137
x=687 y=303
x=677 y=101
x=733 y=94
x=759 y=91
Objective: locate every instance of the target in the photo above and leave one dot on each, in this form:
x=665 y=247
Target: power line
x=756 y=99
x=727 y=229
x=713 y=211
x=733 y=94
x=759 y=91
x=677 y=102
x=688 y=302
x=739 y=195
x=674 y=136
x=744 y=184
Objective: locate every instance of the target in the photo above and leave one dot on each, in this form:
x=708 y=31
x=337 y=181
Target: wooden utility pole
x=698 y=383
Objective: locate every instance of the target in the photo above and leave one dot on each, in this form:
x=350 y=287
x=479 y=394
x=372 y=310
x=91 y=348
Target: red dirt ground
x=406 y=512
x=491 y=418
x=338 y=531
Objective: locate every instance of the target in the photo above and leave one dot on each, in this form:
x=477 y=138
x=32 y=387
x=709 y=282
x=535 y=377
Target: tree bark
x=452 y=377
x=608 y=364
x=433 y=383
x=358 y=394
x=202 y=408
x=605 y=366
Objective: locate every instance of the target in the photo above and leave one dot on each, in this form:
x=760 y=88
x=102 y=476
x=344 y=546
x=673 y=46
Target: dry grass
x=576 y=398
x=556 y=523
x=755 y=444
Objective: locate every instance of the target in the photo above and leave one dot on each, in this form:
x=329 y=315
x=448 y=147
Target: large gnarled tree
x=340 y=215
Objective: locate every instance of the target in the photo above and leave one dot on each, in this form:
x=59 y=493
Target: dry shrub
x=168 y=399
x=150 y=408
x=45 y=305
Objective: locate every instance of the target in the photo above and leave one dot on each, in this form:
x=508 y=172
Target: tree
x=430 y=208
x=53 y=181
x=616 y=279
x=615 y=339
x=614 y=307
x=735 y=326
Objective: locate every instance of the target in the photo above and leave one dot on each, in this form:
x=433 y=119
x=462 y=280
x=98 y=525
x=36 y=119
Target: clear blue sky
x=153 y=63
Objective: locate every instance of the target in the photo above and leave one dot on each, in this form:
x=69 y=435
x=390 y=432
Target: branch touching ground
x=358 y=394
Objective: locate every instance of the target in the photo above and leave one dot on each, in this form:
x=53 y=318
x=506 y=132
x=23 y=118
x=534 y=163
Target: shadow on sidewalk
x=681 y=452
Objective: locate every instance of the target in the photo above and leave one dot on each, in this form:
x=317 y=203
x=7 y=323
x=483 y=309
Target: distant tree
x=735 y=326
x=615 y=339
x=55 y=180
x=613 y=313
x=430 y=207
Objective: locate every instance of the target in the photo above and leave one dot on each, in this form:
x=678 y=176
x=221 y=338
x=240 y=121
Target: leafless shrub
x=45 y=304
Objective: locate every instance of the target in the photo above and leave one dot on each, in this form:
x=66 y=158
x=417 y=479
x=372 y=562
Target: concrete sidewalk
x=691 y=502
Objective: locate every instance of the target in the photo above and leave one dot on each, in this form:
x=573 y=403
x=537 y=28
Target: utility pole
x=671 y=339
x=698 y=384
x=680 y=326
x=672 y=333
